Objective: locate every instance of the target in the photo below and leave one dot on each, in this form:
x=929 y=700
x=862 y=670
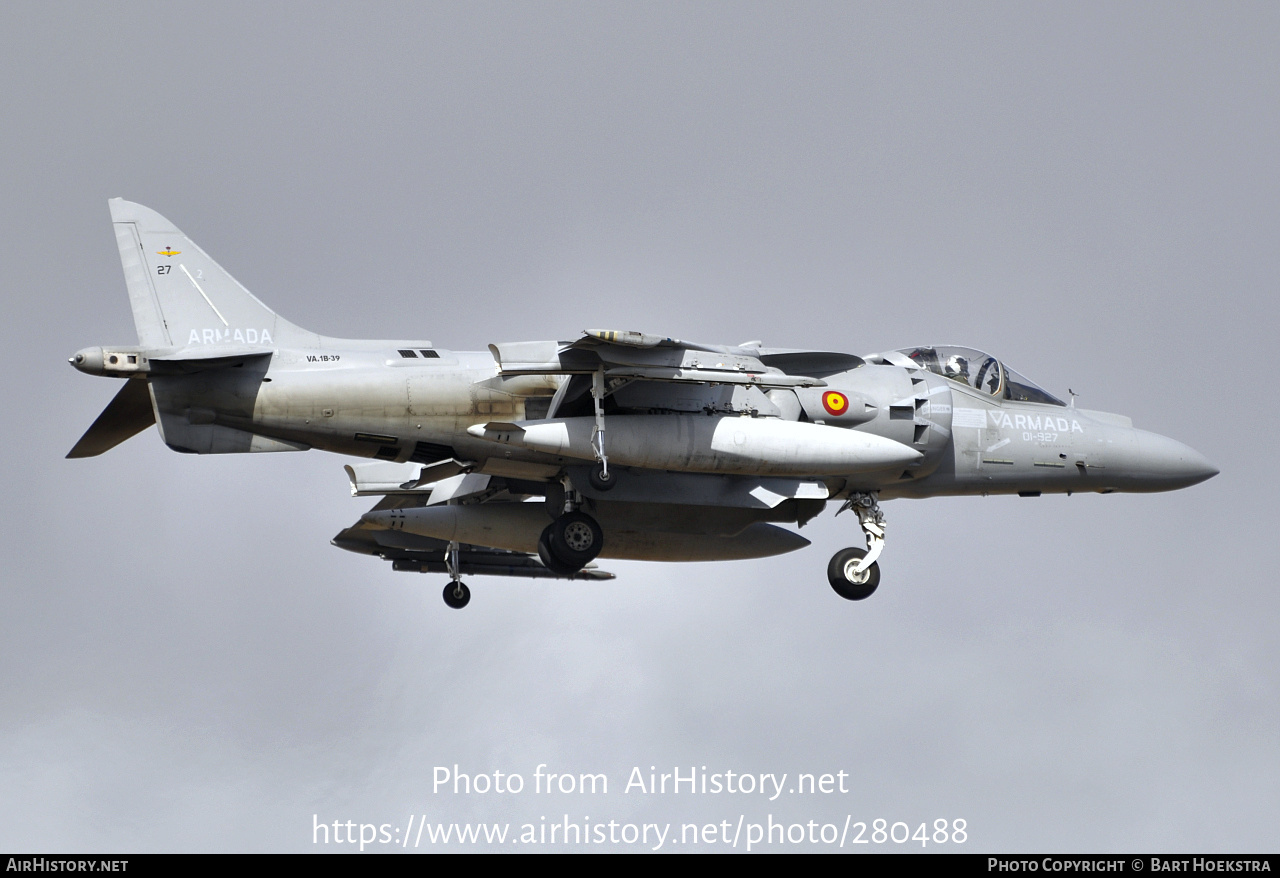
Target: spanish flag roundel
x=835 y=402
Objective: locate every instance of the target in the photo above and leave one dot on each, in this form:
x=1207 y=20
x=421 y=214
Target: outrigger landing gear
x=600 y=477
x=456 y=593
x=854 y=573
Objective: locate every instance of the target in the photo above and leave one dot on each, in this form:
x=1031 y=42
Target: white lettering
x=636 y=780
x=660 y=830
x=777 y=784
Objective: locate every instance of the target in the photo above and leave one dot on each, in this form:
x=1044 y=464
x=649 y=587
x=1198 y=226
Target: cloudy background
x=1090 y=192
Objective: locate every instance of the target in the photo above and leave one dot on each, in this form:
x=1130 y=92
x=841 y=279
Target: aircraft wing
x=630 y=356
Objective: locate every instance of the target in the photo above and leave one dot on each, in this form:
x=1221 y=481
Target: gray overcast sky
x=1087 y=190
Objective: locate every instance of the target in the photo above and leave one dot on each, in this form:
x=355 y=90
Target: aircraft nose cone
x=1197 y=468
x=1166 y=464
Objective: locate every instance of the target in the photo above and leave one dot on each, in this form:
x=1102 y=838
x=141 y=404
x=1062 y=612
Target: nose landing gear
x=854 y=573
x=848 y=579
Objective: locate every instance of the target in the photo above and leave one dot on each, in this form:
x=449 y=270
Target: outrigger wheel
x=457 y=595
x=849 y=582
x=602 y=479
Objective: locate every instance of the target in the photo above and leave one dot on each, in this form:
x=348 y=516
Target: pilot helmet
x=957 y=367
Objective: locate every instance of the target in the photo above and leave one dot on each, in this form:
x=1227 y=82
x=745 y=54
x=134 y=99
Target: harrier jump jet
x=535 y=458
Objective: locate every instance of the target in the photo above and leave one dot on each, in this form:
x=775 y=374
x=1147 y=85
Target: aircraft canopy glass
x=982 y=372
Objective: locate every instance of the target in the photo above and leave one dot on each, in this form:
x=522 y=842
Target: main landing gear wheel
x=849 y=583
x=457 y=595
x=571 y=542
x=550 y=561
x=600 y=480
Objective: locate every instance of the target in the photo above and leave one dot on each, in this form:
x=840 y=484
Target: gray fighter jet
x=536 y=458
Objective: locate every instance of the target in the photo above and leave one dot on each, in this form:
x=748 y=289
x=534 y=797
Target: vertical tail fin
x=181 y=298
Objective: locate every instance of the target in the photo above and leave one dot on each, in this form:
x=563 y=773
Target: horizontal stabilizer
x=128 y=414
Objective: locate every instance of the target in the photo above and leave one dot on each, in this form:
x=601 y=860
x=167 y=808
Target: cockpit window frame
x=956 y=363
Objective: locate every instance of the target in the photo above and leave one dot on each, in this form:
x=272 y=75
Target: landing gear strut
x=854 y=573
x=573 y=540
x=456 y=593
x=600 y=477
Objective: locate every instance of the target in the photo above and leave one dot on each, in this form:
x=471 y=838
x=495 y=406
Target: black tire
x=575 y=539
x=550 y=561
x=457 y=595
x=848 y=588
x=599 y=480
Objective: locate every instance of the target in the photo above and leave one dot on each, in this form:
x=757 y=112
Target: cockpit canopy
x=980 y=371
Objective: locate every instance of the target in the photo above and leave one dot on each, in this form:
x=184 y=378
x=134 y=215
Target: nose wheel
x=849 y=579
x=855 y=573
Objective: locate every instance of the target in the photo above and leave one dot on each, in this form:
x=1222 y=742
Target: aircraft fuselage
x=610 y=444
x=368 y=400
